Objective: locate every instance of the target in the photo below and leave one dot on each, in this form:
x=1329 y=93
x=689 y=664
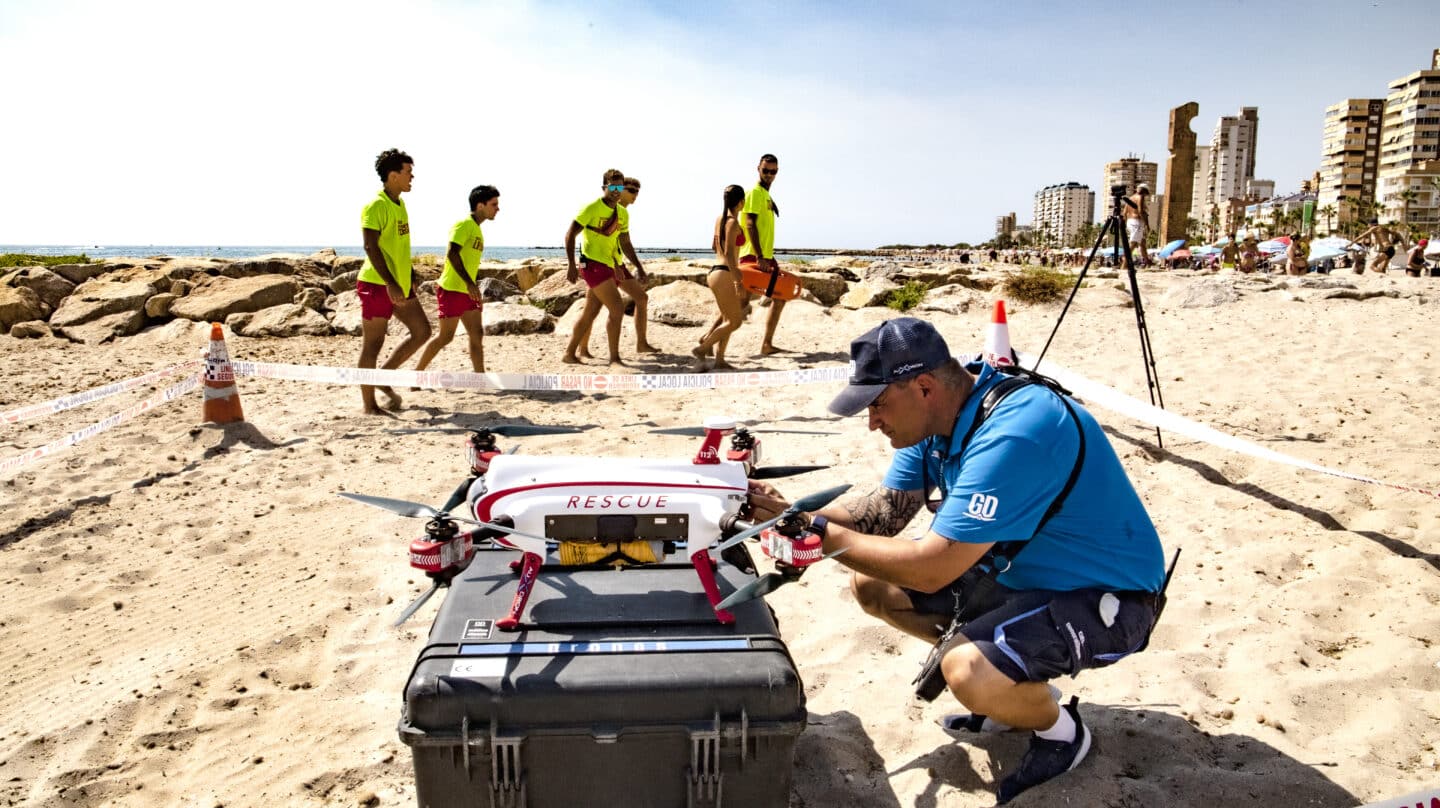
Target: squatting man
x=1078 y=586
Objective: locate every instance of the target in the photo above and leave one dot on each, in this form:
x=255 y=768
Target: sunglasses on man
x=616 y=188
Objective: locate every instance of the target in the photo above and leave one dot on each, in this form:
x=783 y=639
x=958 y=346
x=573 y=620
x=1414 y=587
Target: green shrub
x=1037 y=285
x=799 y=262
x=428 y=260
x=25 y=260
x=907 y=297
x=674 y=258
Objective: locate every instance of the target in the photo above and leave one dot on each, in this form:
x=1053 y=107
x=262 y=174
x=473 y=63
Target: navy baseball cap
x=893 y=351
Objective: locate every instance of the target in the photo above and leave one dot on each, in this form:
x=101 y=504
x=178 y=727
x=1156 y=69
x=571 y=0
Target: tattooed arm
x=882 y=512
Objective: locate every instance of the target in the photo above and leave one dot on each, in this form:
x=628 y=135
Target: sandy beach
x=191 y=617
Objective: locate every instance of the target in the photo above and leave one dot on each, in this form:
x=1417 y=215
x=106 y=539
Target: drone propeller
x=764 y=585
x=809 y=502
x=503 y=430
x=417 y=603
x=415 y=509
x=775 y=472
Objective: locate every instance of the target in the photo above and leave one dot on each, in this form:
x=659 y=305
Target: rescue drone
x=613 y=511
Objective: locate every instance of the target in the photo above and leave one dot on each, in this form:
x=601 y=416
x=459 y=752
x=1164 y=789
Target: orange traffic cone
x=222 y=397
x=997 y=341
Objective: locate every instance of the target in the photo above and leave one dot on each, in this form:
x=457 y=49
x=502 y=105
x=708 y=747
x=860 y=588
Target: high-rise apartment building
x=1202 y=178
x=1350 y=157
x=1232 y=163
x=1061 y=210
x=1131 y=172
x=1410 y=149
x=1005 y=225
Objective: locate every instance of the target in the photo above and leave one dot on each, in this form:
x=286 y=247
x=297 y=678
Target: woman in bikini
x=725 y=281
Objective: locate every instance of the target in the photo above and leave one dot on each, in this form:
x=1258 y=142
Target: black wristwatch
x=818 y=524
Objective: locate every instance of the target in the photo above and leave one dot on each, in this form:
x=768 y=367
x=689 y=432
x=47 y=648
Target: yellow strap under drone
x=626 y=552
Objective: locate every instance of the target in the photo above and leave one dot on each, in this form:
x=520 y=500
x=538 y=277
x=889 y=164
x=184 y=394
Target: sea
x=492 y=253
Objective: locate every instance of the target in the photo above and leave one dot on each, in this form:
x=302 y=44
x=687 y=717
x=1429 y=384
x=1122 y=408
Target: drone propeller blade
x=416 y=604
x=764 y=585
x=399 y=506
x=699 y=431
x=525 y=430
x=810 y=502
x=773 y=472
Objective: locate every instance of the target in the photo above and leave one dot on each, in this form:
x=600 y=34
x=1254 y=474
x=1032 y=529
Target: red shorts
x=375 y=301
x=596 y=273
x=749 y=259
x=454 y=304
x=623 y=272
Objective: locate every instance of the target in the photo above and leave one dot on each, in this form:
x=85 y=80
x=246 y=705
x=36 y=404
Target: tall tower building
x=1232 y=162
x=1005 y=225
x=1061 y=210
x=1410 y=149
x=1202 y=176
x=1130 y=172
x=1350 y=156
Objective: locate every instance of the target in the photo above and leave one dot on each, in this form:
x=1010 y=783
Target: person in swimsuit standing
x=724 y=280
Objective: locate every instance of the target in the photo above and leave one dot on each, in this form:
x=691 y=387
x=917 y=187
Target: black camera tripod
x=1115 y=226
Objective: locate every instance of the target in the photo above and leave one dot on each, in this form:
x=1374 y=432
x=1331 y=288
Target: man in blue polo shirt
x=1080 y=564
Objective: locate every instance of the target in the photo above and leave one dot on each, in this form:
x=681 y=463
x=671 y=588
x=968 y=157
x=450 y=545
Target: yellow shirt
x=467 y=234
x=593 y=245
x=758 y=202
x=389 y=217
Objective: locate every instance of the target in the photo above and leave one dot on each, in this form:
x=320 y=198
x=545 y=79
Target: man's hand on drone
x=765 y=501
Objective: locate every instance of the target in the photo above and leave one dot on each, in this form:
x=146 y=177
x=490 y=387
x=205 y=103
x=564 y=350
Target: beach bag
x=780 y=285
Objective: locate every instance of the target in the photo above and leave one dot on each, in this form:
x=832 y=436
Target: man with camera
x=1039 y=560
x=1137 y=221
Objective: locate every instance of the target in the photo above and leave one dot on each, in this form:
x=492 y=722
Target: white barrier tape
x=1115 y=401
x=597 y=382
x=168 y=394
x=1429 y=798
x=77 y=399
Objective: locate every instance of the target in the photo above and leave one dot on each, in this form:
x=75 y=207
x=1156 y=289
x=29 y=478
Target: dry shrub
x=1037 y=285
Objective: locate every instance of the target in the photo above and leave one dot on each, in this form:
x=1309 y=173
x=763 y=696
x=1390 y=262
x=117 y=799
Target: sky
x=160 y=122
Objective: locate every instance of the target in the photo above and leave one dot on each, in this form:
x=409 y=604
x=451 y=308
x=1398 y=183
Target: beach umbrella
x=1274 y=245
x=1333 y=242
x=1180 y=253
x=1433 y=248
x=1165 y=251
x=1203 y=250
x=1322 y=252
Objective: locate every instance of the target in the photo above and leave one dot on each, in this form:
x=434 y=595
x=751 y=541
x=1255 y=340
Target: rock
x=496 y=290
x=310 y=297
x=18 y=304
x=48 y=286
x=191 y=269
x=285 y=320
x=158 y=305
x=660 y=273
x=950 y=299
x=344 y=313
x=556 y=294
x=527 y=275
x=103 y=329
x=872 y=291
x=1356 y=294
x=827 y=287
x=183 y=335
x=79 y=273
x=343 y=282
x=325 y=257
x=181 y=288
x=516 y=318
x=278 y=264
x=98 y=298
x=682 y=305
x=215 y=299
x=1205 y=293
x=30 y=329
x=345 y=264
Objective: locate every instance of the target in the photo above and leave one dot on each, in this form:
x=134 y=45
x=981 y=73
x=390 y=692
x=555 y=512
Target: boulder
x=682 y=305
x=30 y=329
x=277 y=264
x=285 y=320
x=660 y=273
x=181 y=288
x=344 y=313
x=215 y=299
x=1205 y=293
x=556 y=294
x=103 y=329
x=343 y=282
x=310 y=297
x=950 y=299
x=79 y=273
x=325 y=257
x=873 y=291
x=158 y=306
x=48 y=286
x=187 y=270
x=516 y=318
x=496 y=290
x=827 y=287
x=345 y=264
x=99 y=298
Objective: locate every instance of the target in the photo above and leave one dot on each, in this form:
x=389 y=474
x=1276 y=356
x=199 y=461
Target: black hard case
x=620 y=689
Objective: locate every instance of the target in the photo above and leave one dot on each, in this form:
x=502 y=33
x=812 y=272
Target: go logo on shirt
x=982 y=507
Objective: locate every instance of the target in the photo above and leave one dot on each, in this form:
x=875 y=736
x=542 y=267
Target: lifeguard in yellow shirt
x=758 y=219
x=600 y=222
x=458 y=292
x=384 y=284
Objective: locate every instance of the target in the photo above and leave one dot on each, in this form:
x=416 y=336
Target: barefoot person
x=724 y=279
x=384 y=282
x=1137 y=219
x=758 y=220
x=632 y=285
x=599 y=222
x=1381 y=241
x=458 y=293
x=1297 y=255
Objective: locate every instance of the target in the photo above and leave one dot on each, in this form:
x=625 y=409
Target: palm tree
x=1352 y=204
x=1329 y=213
x=1407 y=196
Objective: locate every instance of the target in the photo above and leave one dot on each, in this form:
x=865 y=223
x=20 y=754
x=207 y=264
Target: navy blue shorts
x=1036 y=636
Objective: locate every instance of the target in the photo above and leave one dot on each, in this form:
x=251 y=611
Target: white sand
x=190 y=616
